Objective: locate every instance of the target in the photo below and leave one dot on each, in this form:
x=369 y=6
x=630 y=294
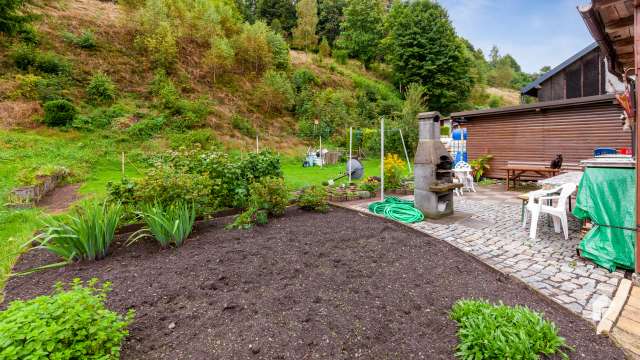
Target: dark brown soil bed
x=307 y=286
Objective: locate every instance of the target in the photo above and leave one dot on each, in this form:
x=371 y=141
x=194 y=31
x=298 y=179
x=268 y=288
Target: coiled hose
x=397 y=209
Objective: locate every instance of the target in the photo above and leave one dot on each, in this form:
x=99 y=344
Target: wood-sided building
x=574 y=113
x=584 y=74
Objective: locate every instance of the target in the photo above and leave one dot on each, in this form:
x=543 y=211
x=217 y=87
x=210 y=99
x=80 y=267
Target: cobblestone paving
x=491 y=231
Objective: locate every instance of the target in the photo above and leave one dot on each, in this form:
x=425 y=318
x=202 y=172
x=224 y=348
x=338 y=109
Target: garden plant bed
x=307 y=285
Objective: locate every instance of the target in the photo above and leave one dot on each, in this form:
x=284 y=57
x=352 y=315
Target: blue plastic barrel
x=459 y=134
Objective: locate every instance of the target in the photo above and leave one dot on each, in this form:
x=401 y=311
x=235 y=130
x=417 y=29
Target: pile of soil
x=306 y=286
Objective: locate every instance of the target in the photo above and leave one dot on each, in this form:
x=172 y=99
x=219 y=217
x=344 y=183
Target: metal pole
x=382 y=158
x=321 y=162
x=350 y=142
x=636 y=51
x=406 y=155
x=257 y=145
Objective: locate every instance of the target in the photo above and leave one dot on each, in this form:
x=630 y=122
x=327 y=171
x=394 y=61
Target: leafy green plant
x=341 y=56
x=169 y=225
x=303 y=78
x=86 y=40
x=51 y=63
x=203 y=138
x=101 y=118
x=489 y=331
x=101 y=89
x=275 y=92
x=12 y=16
x=146 y=128
x=28 y=34
x=313 y=198
x=268 y=196
x=85 y=234
x=480 y=166
x=243 y=125
x=370 y=185
x=71 y=323
x=23 y=56
x=59 y=113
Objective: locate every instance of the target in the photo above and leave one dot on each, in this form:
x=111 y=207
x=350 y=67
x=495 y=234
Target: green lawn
x=297 y=176
x=94 y=160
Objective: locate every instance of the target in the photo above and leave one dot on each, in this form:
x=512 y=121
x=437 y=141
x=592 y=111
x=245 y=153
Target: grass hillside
x=509 y=97
x=133 y=72
x=91 y=54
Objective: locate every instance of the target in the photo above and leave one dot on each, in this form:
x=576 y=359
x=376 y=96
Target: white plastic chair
x=457 y=191
x=463 y=173
x=537 y=204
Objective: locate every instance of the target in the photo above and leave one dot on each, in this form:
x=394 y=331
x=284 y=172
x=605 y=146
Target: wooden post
x=636 y=128
x=382 y=158
x=257 y=145
x=350 y=146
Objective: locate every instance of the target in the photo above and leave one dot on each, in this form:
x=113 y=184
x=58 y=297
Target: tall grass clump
x=489 y=331
x=85 y=234
x=169 y=225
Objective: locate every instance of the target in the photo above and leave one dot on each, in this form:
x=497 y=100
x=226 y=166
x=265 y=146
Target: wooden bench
x=531 y=170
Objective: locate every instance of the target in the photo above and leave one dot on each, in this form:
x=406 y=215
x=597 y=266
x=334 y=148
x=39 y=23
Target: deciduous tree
x=362 y=30
x=329 y=19
x=422 y=47
x=282 y=10
x=304 y=34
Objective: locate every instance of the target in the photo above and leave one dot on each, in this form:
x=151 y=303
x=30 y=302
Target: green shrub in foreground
x=69 y=324
x=59 y=113
x=85 y=234
x=313 y=198
x=268 y=196
x=169 y=225
x=489 y=331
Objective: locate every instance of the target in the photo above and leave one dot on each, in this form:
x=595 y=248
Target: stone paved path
x=491 y=230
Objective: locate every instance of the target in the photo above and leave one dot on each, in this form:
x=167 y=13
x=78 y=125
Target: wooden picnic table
x=514 y=172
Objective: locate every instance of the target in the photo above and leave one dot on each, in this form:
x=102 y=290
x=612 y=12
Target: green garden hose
x=397 y=209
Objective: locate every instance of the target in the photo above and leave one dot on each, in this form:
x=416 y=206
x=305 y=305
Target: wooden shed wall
x=539 y=135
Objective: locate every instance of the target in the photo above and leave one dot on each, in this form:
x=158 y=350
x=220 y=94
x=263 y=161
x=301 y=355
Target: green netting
x=397 y=209
x=607 y=197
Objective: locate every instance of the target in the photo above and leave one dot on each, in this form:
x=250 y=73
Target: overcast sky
x=535 y=32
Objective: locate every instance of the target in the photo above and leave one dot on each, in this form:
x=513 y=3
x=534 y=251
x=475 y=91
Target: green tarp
x=607 y=197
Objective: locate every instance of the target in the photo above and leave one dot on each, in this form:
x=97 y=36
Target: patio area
x=487 y=225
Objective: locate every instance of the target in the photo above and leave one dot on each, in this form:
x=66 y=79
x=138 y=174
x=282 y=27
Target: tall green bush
x=268 y=197
x=71 y=323
x=101 y=89
x=59 y=113
x=275 y=92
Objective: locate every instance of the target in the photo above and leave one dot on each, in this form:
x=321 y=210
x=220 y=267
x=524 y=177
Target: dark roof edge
x=536 y=106
x=558 y=68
